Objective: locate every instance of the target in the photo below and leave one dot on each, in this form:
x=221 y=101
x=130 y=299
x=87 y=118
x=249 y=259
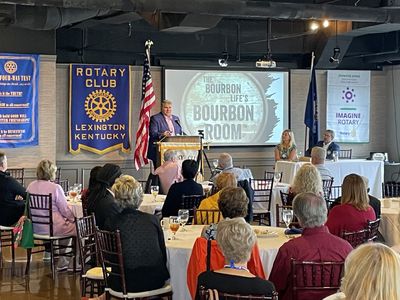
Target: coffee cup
x=165 y=223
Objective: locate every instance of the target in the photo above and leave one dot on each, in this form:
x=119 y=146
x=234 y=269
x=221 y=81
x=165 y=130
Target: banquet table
x=390 y=221
x=372 y=169
x=179 y=251
x=148 y=205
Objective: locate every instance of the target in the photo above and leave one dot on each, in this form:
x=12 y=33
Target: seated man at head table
x=318 y=160
x=169 y=172
x=11 y=195
x=187 y=187
x=162 y=125
x=225 y=165
x=327 y=144
x=315 y=244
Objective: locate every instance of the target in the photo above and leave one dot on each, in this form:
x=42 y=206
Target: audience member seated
x=373 y=201
x=328 y=144
x=354 y=211
x=169 y=172
x=232 y=204
x=63 y=218
x=236 y=239
x=101 y=200
x=187 y=187
x=318 y=160
x=92 y=183
x=307 y=179
x=143 y=245
x=222 y=181
x=12 y=194
x=225 y=165
x=286 y=150
x=372 y=271
x=315 y=244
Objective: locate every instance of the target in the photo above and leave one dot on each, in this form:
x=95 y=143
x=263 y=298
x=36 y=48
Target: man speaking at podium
x=162 y=125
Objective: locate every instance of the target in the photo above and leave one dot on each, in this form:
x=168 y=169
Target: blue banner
x=19 y=83
x=311 y=113
x=99 y=108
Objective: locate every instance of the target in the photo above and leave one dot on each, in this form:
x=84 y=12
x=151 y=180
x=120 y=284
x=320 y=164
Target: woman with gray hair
x=236 y=239
x=143 y=246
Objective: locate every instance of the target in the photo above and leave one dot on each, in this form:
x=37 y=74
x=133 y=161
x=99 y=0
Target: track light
x=335 y=58
x=223 y=61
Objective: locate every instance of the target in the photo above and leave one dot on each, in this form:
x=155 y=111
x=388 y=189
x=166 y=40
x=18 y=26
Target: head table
x=179 y=251
x=372 y=169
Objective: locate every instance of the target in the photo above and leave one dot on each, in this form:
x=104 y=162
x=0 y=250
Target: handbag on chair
x=23 y=230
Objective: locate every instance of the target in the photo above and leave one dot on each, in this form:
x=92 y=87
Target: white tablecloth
x=275 y=199
x=390 y=221
x=179 y=251
x=372 y=169
x=148 y=205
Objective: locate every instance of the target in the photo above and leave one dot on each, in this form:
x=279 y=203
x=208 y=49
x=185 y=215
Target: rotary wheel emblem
x=100 y=105
x=10 y=67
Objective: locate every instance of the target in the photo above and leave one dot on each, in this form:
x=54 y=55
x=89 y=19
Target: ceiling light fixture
x=325 y=23
x=335 y=58
x=314 y=26
x=267 y=61
x=223 y=61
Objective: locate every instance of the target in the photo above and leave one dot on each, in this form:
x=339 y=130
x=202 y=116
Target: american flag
x=148 y=100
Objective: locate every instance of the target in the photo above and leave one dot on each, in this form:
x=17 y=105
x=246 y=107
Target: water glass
x=215 y=163
x=154 y=191
x=183 y=214
x=287 y=216
x=277 y=178
x=335 y=155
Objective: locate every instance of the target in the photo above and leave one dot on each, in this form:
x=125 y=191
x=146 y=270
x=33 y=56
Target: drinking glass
x=335 y=155
x=174 y=223
x=73 y=194
x=277 y=178
x=215 y=163
x=183 y=214
x=154 y=191
x=287 y=216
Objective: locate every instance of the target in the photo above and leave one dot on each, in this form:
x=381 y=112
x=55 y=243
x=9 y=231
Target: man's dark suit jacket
x=10 y=209
x=332 y=147
x=158 y=126
x=175 y=193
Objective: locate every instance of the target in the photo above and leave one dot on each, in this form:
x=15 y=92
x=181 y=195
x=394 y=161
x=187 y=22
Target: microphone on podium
x=179 y=123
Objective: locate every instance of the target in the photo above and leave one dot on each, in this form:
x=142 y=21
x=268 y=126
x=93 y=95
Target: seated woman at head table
x=236 y=239
x=286 y=150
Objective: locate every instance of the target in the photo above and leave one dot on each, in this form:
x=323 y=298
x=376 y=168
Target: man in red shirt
x=315 y=244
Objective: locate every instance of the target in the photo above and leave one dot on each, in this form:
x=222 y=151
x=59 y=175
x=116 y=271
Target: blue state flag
x=311 y=113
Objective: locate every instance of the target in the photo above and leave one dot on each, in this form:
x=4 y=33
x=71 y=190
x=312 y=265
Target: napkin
x=294 y=230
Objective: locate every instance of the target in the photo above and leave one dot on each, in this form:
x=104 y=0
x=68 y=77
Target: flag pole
x=305 y=130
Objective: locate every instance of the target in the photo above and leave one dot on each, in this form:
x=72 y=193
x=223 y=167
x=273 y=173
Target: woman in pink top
x=63 y=219
x=354 y=211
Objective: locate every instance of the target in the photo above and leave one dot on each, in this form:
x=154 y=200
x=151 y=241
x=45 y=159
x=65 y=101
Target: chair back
x=373 y=228
x=65 y=186
x=391 y=189
x=345 y=154
x=86 y=232
x=111 y=260
x=206 y=216
x=355 y=238
x=285 y=198
x=153 y=180
x=319 y=278
x=41 y=211
x=190 y=202
x=327 y=188
x=206 y=294
x=244 y=184
x=262 y=199
x=58 y=175
x=17 y=174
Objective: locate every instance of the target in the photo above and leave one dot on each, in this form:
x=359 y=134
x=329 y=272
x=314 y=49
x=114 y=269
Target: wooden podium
x=186 y=147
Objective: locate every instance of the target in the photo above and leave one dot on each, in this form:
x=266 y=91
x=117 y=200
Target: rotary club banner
x=348 y=105
x=19 y=83
x=99 y=108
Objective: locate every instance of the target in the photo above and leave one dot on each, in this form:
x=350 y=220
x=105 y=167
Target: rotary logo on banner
x=99 y=108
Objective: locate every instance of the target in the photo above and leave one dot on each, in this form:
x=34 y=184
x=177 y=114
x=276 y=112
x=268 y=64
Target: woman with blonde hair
x=372 y=271
x=286 y=150
x=307 y=180
x=354 y=212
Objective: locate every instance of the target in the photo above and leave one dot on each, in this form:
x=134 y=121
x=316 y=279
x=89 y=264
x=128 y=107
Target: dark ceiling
x=196 y=33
